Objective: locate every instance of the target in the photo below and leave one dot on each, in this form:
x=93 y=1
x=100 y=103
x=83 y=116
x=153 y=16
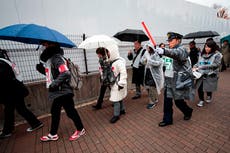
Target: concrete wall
x=38 y=103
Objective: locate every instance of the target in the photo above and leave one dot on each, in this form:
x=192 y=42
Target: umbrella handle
x=148 y=33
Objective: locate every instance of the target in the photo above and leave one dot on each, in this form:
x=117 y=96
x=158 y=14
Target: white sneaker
x=49 y=137
x=200 y=104
x=209 y=99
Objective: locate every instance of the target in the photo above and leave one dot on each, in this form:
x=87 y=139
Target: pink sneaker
x=49 y=137
x=77 y=134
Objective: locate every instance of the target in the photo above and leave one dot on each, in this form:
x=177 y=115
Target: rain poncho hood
x=155 y=64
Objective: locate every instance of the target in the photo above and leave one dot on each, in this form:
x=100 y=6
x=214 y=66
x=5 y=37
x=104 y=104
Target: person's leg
x=25 y=113
x=8 y=126
x=209 y=94
x=209 y=97
x=201 y=92
x=168 y=111
x=101 y=97
x=55 y=115
x=152 y=97
x=138 y=91
x=201 y=95
x=55 y=119
x=184 y=108
x=122 y=106
x=68 y=105
x=116 y=107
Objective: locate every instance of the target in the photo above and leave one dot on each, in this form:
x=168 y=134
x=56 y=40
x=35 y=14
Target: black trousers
x=168 y=108
x=101 y=94
x=67 y=103
x=201 y=92
x=17 y=103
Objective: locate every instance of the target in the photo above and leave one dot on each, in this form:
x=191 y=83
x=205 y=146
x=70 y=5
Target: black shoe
x=36 y=127
x=4 y=135
x=96 y=107
x=162 y=124
x=123 y=112
x=136 y=97
x=188 y=117
x=114 y=119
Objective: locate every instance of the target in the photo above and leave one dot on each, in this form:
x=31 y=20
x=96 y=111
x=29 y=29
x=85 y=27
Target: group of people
x=158 y=67
x=155 y=68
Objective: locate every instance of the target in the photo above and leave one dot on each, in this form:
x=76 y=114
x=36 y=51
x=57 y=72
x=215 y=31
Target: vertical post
x=85 y=59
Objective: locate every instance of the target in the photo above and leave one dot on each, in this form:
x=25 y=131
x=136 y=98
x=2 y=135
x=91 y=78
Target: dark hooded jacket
x=60 y=85
x=10 y=86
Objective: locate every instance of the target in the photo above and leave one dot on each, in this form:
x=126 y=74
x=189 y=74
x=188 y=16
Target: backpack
x=108 y=75
x=76 y=80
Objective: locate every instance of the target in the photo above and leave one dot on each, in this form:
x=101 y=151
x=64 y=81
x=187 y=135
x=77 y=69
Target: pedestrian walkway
x=208 y=131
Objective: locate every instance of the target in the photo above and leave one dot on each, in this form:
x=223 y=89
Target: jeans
x=118 y=107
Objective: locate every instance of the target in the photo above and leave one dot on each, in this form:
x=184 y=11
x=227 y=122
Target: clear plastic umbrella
x=97 y=41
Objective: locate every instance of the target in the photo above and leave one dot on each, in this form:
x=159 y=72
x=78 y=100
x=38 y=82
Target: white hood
x=114 y=52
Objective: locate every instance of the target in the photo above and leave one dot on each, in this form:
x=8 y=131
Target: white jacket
x=119 y=68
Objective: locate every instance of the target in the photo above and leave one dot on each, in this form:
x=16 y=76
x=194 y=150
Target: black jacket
x=10 y=86
x=60 y=85
x=138 y=73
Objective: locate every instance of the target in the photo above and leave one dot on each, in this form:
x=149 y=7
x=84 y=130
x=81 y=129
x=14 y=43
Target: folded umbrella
x=34 y=34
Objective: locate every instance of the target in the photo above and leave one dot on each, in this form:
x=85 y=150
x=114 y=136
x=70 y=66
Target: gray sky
x=209 y=3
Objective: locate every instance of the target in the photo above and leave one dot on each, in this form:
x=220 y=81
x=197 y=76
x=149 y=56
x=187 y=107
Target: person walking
x=194 y=52
x=54 y=66
x=137 y=67
x=226 y=53
x=208 y=65
x=101 y=53
x=12 y=94
x=153 y=75
x=180 y=64
x=119 y=87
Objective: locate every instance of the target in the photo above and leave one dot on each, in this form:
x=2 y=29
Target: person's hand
x=39 y=66
x=53 y=87
x=195 y=69
x=129 y=52
x=160 y=51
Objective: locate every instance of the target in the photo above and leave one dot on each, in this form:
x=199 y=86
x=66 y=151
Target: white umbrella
x=97 y=41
